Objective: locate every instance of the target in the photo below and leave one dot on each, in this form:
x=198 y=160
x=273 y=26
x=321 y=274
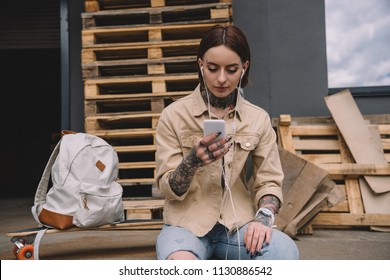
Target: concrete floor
x=139 y=245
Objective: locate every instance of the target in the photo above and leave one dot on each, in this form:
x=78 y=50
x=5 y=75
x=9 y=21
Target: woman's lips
x=221 y=89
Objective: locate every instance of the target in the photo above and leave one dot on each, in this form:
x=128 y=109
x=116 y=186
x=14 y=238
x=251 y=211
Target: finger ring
x=211 y=155
x=206 y=149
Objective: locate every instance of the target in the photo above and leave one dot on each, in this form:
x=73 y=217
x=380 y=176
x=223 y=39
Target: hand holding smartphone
x=214 y=126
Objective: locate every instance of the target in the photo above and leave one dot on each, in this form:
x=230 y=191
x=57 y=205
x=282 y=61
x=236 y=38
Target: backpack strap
x=37 y=242
x=40 y=194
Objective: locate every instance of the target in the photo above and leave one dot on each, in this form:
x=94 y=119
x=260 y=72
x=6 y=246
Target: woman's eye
x=213 y=69
x=232 y=71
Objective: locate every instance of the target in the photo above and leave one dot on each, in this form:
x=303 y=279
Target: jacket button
x=247 y=144
x=221 y=216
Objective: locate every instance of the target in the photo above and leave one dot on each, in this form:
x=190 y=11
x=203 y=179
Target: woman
x=211 y=211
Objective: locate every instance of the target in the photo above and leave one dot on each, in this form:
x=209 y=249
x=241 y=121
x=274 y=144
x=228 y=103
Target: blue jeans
x=218 y=244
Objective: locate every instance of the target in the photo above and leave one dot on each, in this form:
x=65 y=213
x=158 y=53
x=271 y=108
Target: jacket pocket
x=246 y=143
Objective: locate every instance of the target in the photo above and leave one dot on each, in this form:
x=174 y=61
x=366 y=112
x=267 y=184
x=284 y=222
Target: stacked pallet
x=318 y=140
x=139 y=56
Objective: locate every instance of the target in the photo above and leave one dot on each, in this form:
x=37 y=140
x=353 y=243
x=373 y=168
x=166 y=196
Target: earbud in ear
x=243 y=73
x=201 y=70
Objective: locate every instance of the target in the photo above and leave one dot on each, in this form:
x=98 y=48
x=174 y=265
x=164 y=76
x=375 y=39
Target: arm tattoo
x=180 y=179
x=271 y=202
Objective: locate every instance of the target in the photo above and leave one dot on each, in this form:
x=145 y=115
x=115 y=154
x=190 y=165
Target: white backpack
x=83 y=169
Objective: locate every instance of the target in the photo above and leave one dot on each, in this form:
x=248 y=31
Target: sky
x=358 y=42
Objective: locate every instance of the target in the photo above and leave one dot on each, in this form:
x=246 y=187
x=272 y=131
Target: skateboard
x=24 y=239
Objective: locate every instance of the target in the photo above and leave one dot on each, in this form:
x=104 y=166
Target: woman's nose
x=222 y=77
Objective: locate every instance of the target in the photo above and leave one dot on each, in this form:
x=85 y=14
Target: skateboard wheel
x=26 y=253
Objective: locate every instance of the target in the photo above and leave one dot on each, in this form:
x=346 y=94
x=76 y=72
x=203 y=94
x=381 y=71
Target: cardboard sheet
x=357 y=135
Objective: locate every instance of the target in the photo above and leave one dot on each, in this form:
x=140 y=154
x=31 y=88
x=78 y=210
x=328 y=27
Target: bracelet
x=265 y=212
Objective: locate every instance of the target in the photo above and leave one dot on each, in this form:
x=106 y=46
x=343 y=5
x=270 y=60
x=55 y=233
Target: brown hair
x=230 y=36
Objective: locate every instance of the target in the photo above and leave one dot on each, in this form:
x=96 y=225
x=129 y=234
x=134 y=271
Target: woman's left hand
x=255 y=235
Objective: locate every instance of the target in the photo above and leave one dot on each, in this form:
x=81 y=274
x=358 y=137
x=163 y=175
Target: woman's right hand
x=207 y=152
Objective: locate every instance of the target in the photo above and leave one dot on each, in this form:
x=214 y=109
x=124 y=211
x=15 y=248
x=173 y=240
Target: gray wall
x=72 y=86
x=287 y=38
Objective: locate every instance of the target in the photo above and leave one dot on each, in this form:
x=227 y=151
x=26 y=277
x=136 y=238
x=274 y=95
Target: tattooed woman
x=211 y=211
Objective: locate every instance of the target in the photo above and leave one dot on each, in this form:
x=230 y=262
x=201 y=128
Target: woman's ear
x=245 y=65
x=200 y=63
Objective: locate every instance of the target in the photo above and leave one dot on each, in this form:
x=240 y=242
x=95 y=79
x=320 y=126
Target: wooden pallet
x=106 y=5
x=138 y=57
x=203 y=13
x=319 y=141
x=132 y=36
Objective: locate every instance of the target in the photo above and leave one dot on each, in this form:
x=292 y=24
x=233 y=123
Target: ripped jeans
x=218 y=244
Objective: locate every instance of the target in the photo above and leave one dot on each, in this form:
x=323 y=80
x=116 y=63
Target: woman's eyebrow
x=229 y=65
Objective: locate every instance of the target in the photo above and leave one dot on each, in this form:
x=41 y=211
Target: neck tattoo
x=220 y=102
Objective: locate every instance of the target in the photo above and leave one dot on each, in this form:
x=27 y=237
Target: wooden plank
x=319 y=144
x=123 y=133
x=355 y=203
x=135 y=149
x=355 y=170
x=313 y=130
x=285 y=133
x=322 y=158
x=357 y=135
x=135 y=181
x=137 y=165
x=348 y=219
x=143 y=203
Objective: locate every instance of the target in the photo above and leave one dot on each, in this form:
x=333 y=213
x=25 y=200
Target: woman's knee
x=182 y=255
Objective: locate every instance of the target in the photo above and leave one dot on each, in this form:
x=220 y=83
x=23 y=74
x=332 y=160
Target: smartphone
x=214 y=126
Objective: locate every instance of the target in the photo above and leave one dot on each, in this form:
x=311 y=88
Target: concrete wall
x=72 y=83
x=288 y=54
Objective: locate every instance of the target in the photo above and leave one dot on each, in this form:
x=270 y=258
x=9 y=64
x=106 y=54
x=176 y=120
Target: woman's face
x=222 y=70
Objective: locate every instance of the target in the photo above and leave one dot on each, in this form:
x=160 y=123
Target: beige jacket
x=206 y=202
